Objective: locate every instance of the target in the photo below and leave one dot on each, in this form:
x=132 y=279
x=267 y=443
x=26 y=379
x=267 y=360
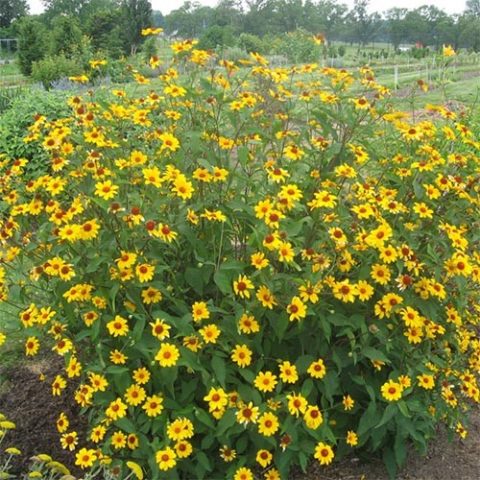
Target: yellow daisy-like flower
x=118 y=327
x=426 y=381
x=265 y=381
x=317 y=369
x=200 y=311
x=242 y=355
x=85 y=458
x=242 y=286
x=324 y=453
x=166 y=459
x=296 y=309
x=167 y=355
x=391 y=391
x=153 y=405
x=268 y=424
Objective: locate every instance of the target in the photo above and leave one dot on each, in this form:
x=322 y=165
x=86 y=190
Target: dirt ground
x=28 y=402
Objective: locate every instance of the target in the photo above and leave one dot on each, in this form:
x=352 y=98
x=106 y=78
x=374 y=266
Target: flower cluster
x=249 y=267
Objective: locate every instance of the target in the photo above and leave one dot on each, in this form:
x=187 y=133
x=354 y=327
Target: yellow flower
x=106 y=189
x=317 y=369
x=210 y=333
x=247 y=413
x=166 y=459
x=324 y=453
x=136 y=469
x=268 y=424
x=200 y=311
x=352 y=438
x=243 y=473
x=153 y=405
x=69 y=441
x=288 y=372
x=448 y=51
x=118 y=327
x=145 y=272
x=85 y=458
x=216 y=398
x=391 y=391
x=296 y=309
x=116 y=409
x=180 y=429
x=167 y=355
x=242 y=355
x=313 y=417
x=259 y=261
x=265 y=381
x=266 y=298
x=242 y=286
x=426 y=381
x=135 y=395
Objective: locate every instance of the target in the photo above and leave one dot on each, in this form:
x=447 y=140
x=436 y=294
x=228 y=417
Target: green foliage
x=55 y=68
x=105 y=32
x=65 y=37
x=15 y=121
x=298 y=46
x=32 y=40
x=149 y=49
x=216 y=36
x=252 y=43
x=11 y=10
x=135 y=16
x=293 y=265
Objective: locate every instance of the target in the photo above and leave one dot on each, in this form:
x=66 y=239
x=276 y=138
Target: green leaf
x=203 y=461
x=374 y=354
x=403 y=407
x=194 y=278
x=369 y=419
x=390 y=463
x=205 y=418
x=219 y=368
x=388 y=414
x=226 y=422
x=400 y=449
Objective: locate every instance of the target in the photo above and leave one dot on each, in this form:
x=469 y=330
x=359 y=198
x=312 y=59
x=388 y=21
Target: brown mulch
x=27 y=401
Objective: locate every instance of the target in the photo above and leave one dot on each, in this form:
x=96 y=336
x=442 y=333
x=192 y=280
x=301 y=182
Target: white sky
x=166 y=6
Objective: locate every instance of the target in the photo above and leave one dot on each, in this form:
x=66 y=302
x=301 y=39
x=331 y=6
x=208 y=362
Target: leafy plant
x=250 y=267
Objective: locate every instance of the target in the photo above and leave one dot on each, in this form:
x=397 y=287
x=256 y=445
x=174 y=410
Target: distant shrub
x=51 y=69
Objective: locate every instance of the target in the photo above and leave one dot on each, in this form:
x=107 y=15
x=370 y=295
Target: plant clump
x=249 y=268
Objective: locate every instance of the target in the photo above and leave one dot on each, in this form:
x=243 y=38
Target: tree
x=11 y=10
x=136 y=15
x=105 y=33
x=397 y=26
x=190 y=20
x=364 y=26
x=473 y=8
x=158 y=19
x=81 y=9
x=31 y=43
x=66 y=36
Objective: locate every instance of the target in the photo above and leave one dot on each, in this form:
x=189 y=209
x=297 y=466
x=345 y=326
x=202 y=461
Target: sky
x=166 y=6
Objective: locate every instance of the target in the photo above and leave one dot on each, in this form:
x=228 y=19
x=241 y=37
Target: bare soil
x=27 y=401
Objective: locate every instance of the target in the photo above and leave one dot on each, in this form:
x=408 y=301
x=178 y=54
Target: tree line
x=426 y=25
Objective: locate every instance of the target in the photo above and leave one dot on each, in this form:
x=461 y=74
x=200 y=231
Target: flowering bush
x=249 y=267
